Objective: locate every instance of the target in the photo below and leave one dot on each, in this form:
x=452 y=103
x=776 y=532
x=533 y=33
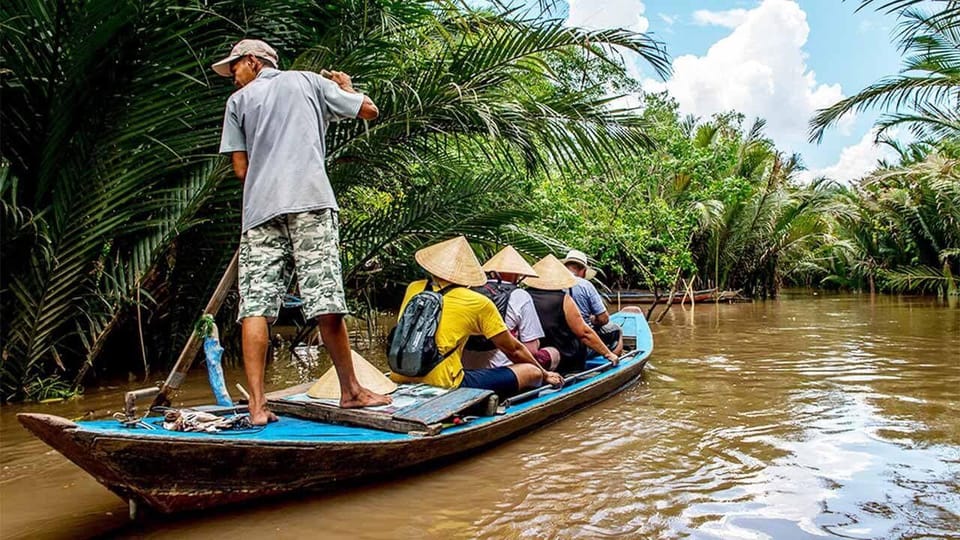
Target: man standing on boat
x=589 y=301
x=274 y=129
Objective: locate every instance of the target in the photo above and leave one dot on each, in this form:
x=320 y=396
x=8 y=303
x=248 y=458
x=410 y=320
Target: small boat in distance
x=631 y=296
x=316 y=445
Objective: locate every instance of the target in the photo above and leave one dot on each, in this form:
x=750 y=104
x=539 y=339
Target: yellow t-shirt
x=465 y=313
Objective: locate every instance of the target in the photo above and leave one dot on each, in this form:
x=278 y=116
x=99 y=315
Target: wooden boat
x=647 y=297
x=311 y=447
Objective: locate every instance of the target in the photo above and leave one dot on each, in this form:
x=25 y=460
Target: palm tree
x=920 y=205
x=928 y=87
x=111 y=117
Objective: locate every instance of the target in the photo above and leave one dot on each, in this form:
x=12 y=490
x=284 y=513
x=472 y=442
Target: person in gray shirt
x=589 y=301
x=274 y=130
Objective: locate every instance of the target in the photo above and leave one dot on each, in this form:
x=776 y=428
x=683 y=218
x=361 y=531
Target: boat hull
x=174 y=473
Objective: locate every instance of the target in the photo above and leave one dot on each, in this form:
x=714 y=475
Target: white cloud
x=591 y=14
x=759 y=69
x=730 y=19
x=855 y=161
x=669 y=19
x=627 y=14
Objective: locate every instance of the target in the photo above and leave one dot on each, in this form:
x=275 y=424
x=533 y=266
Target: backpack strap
x=448 y=288
x=428 y=286
x=442 y=292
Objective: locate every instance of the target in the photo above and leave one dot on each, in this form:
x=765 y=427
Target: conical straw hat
x=508 y=261
x=452 y=260
x=369 y=377
x=554 y=276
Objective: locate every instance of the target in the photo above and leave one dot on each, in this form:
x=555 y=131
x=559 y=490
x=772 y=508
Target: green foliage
x=715 y=203
x=925 y=95
x=116 y=212
x=111 y=118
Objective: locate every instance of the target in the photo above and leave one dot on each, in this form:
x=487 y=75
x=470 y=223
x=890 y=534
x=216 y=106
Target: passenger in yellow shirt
x=467 y=313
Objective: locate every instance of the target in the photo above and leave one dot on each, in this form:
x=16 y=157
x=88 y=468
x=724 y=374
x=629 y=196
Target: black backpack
x=412 y=343
x=500 y=293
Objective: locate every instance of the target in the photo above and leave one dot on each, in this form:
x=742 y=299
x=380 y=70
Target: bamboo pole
x=190 y=350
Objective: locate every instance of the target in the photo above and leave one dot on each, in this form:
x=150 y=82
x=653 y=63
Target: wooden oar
x=529 y=394
x=190 y=350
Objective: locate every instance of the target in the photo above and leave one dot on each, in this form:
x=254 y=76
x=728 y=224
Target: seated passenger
x=563 y=326
x=504 y=271
x=465 y=313
x=590 y=303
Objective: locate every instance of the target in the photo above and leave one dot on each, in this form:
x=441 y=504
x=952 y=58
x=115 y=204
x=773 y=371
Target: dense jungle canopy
x=118 y=216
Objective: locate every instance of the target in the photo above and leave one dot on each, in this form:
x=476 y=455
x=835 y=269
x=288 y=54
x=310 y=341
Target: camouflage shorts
x=307 y=243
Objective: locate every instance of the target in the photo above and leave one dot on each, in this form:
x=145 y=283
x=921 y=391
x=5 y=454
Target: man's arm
x=519 y=354
x=239 y=160
x=368 y=109
x=586 y=334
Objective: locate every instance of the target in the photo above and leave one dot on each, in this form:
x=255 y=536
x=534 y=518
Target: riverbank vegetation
x=118 y=217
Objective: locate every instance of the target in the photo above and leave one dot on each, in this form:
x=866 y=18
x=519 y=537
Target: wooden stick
x=189 y=352
x=566 y=380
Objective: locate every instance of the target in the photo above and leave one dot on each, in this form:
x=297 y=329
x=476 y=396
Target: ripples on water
x=825 y=417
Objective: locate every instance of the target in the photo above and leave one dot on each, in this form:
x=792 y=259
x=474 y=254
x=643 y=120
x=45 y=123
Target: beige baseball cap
x=244 y=47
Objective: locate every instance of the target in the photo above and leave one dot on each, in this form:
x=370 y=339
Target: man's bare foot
x=364 y=398
x=262 y=417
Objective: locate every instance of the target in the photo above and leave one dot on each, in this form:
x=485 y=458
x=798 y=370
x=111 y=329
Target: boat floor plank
x=352 y=417
x=444 y=406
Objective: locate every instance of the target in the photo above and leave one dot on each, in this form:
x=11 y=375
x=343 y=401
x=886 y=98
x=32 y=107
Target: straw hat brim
x=453 y=261
x=508 y=261
x=554 y=276
x=369 y=377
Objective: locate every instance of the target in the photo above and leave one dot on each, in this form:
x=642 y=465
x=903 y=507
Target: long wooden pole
x=190 y=350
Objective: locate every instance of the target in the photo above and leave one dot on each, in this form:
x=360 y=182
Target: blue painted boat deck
x=290 y=429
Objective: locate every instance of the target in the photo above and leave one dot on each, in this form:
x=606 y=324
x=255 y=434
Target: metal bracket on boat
x=131 y=397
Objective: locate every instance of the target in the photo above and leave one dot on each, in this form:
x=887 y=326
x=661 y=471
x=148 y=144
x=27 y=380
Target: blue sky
x=776 y=59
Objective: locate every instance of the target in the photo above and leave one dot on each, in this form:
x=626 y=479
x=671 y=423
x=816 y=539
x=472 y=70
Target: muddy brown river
x=805 y=417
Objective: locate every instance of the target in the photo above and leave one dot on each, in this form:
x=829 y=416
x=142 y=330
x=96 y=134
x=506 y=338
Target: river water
x=805 y=417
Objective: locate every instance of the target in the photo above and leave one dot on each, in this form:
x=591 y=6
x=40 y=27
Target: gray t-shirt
x=280 y=119
x=588 y=300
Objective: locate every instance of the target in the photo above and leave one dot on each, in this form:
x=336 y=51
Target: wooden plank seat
x=333 y=414
x=409 y=414
x=444 y=406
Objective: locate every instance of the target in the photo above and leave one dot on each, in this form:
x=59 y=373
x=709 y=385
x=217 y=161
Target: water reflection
x=807 y=417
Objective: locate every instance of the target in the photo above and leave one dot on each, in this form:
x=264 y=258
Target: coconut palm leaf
x=921 y=278
x=929 y=81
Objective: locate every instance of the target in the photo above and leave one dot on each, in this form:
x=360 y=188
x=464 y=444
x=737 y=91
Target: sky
x=780 y=60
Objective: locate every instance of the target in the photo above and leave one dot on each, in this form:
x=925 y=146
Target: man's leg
x=262 y=279
x=316 y=252
x=255 y=340
x=333 y=331
x=528 y=376
x=612 y=336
